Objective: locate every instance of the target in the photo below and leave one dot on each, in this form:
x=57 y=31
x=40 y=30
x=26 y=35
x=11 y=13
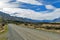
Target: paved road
x=21 y=33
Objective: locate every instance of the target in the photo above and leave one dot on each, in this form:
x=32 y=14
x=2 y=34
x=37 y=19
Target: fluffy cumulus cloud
x=29 y=9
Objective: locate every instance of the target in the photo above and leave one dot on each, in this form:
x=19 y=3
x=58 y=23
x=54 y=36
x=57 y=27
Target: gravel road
x=21 y=33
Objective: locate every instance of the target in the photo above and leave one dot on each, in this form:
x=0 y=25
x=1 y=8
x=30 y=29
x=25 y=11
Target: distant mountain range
x=56 y=20
x=14 y=18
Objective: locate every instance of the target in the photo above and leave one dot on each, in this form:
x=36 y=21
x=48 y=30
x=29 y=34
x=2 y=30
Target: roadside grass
x=4 y=30
x=49 y=30
x=38 y=28
x=3 y=38
x=4 y=33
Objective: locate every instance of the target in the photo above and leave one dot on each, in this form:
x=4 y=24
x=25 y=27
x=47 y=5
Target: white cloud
x=50 y=7
x=32 y=14
x=31 y=2
x=6 y=4
x=5 y=0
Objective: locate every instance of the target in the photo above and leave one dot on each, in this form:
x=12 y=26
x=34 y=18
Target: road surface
x=21 y=33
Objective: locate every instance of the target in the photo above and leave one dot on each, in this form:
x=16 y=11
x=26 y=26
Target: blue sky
x=39 y=8
x=33 y=9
